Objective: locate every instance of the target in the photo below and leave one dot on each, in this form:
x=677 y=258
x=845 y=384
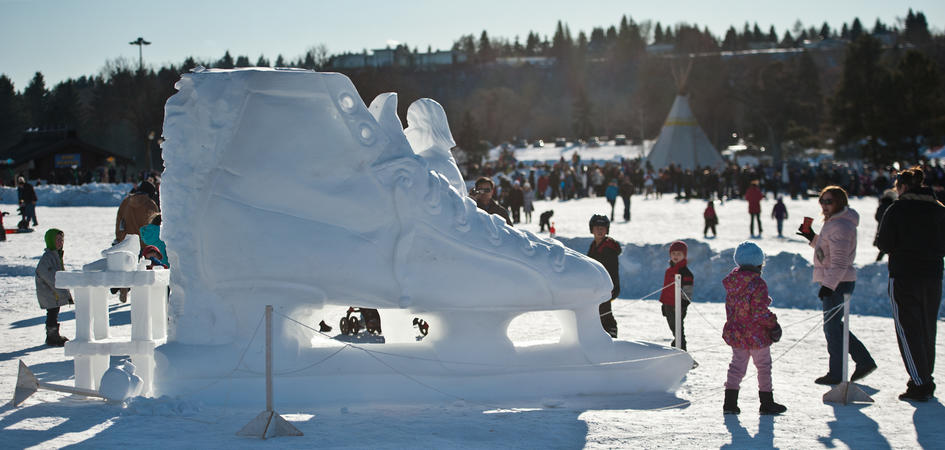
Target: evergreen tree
x=825 y=32
x=35 y=96
x=226 y=62
x=856 y=30
x=861 y=105
x=787 y=41
x=486 y=53
x=730 y=43
x=532 y=44
x=11 y=114
x=280 y=61
x=658 y=34
x=262 y=61
x=242 y=61
x=917 y=29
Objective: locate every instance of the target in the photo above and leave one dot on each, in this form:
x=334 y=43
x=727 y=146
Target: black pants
x=626 y=207
x=755 y=217
x=607 y=319
x=52 y=317
x=669 y=312
x=709 y=225
x=915 y=303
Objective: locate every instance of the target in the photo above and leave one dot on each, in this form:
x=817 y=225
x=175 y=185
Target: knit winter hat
x=749 y=254
x=679 y=246
x=151 y=248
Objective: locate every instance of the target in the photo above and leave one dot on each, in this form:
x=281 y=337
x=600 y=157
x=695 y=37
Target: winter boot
x=53 y=339
x=768 y=406
x=731 y=402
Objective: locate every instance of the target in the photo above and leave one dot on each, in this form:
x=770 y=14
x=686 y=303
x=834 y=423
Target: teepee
x=682 y=141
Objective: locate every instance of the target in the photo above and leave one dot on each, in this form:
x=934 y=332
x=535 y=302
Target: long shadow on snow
x=80 y=416
x=117 y=315
x=740 y=437
x=927 y=419
x=26 y=351
x=853 y=428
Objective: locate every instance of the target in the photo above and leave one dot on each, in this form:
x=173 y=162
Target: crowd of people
x=574 y=178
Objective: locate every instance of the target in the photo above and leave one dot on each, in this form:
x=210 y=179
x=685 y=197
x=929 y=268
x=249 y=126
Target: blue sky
x=70 y=38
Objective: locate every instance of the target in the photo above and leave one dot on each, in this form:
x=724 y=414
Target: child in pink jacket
x=750 y=328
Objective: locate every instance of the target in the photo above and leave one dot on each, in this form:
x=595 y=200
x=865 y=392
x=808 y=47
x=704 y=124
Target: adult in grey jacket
x=50 y=298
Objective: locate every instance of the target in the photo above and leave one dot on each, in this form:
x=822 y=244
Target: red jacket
x=754 y=196
x=668 y=296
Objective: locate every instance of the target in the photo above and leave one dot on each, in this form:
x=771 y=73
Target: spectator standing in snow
x=678 y=251
x=711 y=220
x=779 y=214
x=626 y=190
x=750 y=328
x=26 y=196
x=529 y=202
x=834 y=251
x=606 y=251
x=889 y=196
x=52 y=298
x=611 y=195
x=913 y=233
x=516 y=201
x=482 y=193
x=754 y=196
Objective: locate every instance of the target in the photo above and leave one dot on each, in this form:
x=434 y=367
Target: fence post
x=678 y=288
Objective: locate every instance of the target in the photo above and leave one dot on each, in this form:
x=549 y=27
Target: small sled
x=19 y=230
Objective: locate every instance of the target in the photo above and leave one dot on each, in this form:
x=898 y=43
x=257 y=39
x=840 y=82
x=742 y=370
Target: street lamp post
x=140 y=42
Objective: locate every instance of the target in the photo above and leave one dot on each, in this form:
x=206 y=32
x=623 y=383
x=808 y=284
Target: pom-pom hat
x=749 y=254
x=679 y=246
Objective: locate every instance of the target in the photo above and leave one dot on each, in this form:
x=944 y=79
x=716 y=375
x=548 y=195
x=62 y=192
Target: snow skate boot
x=334 y=206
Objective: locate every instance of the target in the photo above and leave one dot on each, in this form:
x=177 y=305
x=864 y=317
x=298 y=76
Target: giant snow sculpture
x=282 y=188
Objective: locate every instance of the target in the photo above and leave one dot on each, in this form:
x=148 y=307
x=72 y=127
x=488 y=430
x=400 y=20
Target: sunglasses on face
x=484 y=189
x=826 y=201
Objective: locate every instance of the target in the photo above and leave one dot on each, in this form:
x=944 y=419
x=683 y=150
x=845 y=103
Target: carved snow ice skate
x=282 y=188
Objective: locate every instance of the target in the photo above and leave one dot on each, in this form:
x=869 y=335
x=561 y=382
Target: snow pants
x=739 y=365
x=915 y=304
x=669 y=312
x=833 y=331
x=626 y=207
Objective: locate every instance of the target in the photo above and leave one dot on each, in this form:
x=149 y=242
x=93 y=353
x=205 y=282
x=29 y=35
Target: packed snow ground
x=688 y=418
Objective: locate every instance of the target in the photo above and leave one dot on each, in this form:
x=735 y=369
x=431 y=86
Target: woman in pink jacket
x=834 y=251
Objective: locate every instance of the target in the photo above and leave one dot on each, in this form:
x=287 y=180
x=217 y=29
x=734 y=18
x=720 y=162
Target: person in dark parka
x=606 y=251
x=912 y=232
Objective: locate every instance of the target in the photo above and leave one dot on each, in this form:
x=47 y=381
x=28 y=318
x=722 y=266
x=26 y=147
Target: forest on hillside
x=874 y=92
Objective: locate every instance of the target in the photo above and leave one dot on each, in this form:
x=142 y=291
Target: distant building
x=538 y=61
x=52 y=154
x=396 y=57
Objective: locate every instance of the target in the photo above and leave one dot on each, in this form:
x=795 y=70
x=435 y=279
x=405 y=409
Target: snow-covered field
x=688 y=418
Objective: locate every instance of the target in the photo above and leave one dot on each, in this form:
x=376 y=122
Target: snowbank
x=91 y=194
x=788 y=276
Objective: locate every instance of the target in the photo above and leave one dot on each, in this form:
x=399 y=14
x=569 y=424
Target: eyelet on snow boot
x=768 y=406
x=731 y=402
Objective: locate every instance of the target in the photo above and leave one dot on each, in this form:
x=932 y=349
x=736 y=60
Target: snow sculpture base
x=282 y=188
x=93 y=345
